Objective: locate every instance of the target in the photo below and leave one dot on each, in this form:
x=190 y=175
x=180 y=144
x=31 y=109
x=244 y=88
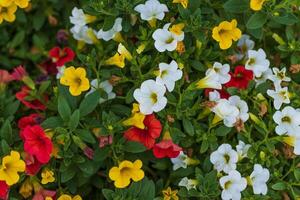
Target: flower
x=147 y=135
x=232 y=184
x=257 y=62
x=43 y=194
x=182 y=161
x=5 y=78
x=240 y=78
x=224 y=158
x=8 y=13
x=33 y=104
x=48 y=67
x=150 y=97
x=76 y=80
x=60 y=72
x=294 y=141
x=215 y=95
x=68 y=197
x=26 y=189
x=209 y=81
x=105 y=86
x=221 y=71
x=123 y=51
x=4 y=188
x=117 y=59
x=105 y=140
x=30 y=120
x=256 y=5
x=166 y=39
x=170 y=194
x=287 y=120
x=20 y=74
x=113 y=33
x=242 y=149
x=37 y=143
x=188 y=183
x=20 y=3
x=11 y=165
x=241 y=105
x=126 y=171
x=279 y=76
x=244 y=45
x=61 y=56
x=33 y=166
x=47 y=176
x=84 y=34
x=168 y=74
x=280 y=96
x=225 y=32
x=184 y=3
x=225 y=111
x=166 y=148
x=79 y=19
x=152 y=10
x=136 y=119
x=258 y=179
x=263 y=77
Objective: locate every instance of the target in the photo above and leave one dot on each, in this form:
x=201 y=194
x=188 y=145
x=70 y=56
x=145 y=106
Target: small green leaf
x=236 y=6
x=223 y=130
x=257 y=20
x=89 y=103
x=6 y=132
x=52 y=122
x=188 y=127
x=134 y=147
x=279 y=186
x=86 y=136
x=63 y=108
x=74 y=120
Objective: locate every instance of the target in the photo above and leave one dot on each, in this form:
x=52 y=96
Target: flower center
x=3 y=10
x=77 y=81
x=169 y=40
x=281 y=75
x=227 y=185
x=153 y=97
x=251 y=61
x=286 y=119
x=163 y=73
x=227 y=158
x=125 y=171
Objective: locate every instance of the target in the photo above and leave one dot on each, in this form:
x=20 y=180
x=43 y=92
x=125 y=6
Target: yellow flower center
x=153 y=97
x=286 y=119
x=227 y=185
x=251 y=61
x=227 y=158
x=3 y=10
x=164 y=73
x=169 y=40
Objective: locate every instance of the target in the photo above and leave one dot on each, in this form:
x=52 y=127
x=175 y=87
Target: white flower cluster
x=225 y=160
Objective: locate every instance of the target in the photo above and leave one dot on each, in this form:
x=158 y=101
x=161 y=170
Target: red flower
x=48 y=67
x=42 y=194
x=4 y=188
x=240 y=78
x=19 y=73
x=88 y=152
x=30 y=120
x=37 y=143
x=34 y=104
x=33 y=166
x=223 y=93
x=61 y=56
x=166 y=148
x=148 y=135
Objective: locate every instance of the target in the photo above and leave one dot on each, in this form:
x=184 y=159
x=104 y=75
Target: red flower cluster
x=61 y=56
x=166 y=148
x=4 y=188
x=30 y=120
x=33 y=104
x=240 y=78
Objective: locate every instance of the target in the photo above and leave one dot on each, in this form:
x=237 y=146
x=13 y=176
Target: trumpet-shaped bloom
x=258 y=179
x=168 y=75
x=293 y=141
x=126 y=171
x=111 y=33
x=183 y=161
x=170 y=194
x=150 y=97
x=84 y=34
x=4 y=188
x=244 y=45
x=76 y=80
x=188 y=183
x=241 y=105
x=184 y=3
x=10 y=167
x=136 y=119
x=240 y=78
x=80 y=19
x=209 y=81
x=280 y=96
x=104 y=85
x=256 y=5
x=279 y=76
x=68 y=197
x=232 y=184
x=287 y=120
x=19 y=3
x=224 y=158
x=33 y=104
x=166 y=148
x=263 y=77
x=47 y=176
x=8 y=13
x=117 y=60
x=227 y=112
x=221 y=71
x=123 y=51
x=257 y=62
x=61 y=56
x=225 y=32
x=152 y=10
x=242 y=149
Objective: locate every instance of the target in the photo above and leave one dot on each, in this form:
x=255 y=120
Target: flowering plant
x=149 y=99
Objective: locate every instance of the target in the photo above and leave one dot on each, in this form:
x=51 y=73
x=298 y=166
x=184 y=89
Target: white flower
x=209 y=81
x=111 y=33
x=257 y=62
x=106 y=86
x=222 y=71
x=294 y=141
x=165 y=39
x=232 y=184
x=84 y=34
x=258 y=178
x=79 y=19
x=214 y=96
x=182 y=161
x=242 y=149
x=224 y=158
x=263 y=77
x=188 y=183
x=168 y=74
x=150 y=97
x=280 y=96
x=244 y=44
x=224 y=110
x=279 y=76
x=287 y=120
x=241 y=105
x=152 y=9
x=60 y=71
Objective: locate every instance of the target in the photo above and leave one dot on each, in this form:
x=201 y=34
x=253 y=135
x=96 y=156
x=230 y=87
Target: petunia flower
x=123 y=51
x=241 y=105
x=106 y=86
x=84 y=34
x=8 y=13
x=170 y=194
x=44 y=194
x=225 y=32
x=188 y=183
x=242 y=149
x=4 y=190
x=37 y=143
x=221 y=71
x=80 y=19
x=136 y=119
x=5 y=78
x=47 y=176
x=258 y=179
x=294 y=141
x=117 y=60
x=61 y=56
x=257 y=62
x=113 y=33
x=287 y=120
x=26 y=188
x=20 y=74
x=183 y=161
x=126 y=171
x=33 y=166
x=225 y=111
x=19 y=3
x=244 y=45
x=280 y=96
x=151 y=11
x=215 y=95
x=33 y=104
x=68 y=197
x=184 y=3
x=240 y=78
x=263 y=77
x=256 y=5
x=10 y=167
x=279 y=76
x=224 y=158
x=211 y=80
x=30 y=120
x=76 y=80
x=147 y=135
x=166 y=147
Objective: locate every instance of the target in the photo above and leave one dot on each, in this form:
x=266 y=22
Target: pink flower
x=42 y=194
x=19 y=73
x=105 y=140
x=5 y=77
x=89 y=152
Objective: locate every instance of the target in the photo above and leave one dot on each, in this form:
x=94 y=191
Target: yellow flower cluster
x=8 y=9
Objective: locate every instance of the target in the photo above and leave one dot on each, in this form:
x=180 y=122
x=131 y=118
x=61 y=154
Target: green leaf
x=63 y=108
x=204 y=146
x=286 y=19
x=52 y=122
x=236 y=6
x=297 y=174
x=134 y=147
x=6 y=132
x=68 y=174
x=89 y=103
x=86 y=136
x=257 y=20
x=188 y=126
x=279 y=186
x=5 y=148
x=74 y=120
x=223 y=130
x=18 y=39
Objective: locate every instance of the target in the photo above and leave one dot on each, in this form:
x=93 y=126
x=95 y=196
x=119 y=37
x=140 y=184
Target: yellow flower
x=225 y=33
x=8 y=13
x=11 y=165
x=184 y=3
x=92 y=36
x=256 y=4
x=123 y=51
x=68 y=197
x=20 y=3
x=26 y=189
x=47 y=176
x=177 y=28
x=76 y=80
x=180 y=47
x=126 y=170
x=169 y=194
x=117 y=59
x=136 y=119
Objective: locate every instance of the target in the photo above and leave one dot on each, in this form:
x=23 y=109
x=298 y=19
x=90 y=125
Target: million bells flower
x=126 y=171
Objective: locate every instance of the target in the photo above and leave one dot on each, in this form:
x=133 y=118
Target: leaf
x=134 y=147
x=86 y=136
x=74 y=120
x=286 y=19
x=18 y=39
x=5 y=147
x=68 y=174
x=108 y=194
x=236 y=6
x=279 y=186
x=63 y=108
x=257 y=20
x=89 y=103
x=223 y=130
x=52 y=122
x=6 y=132
x=188 y=126
x=297 y=174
